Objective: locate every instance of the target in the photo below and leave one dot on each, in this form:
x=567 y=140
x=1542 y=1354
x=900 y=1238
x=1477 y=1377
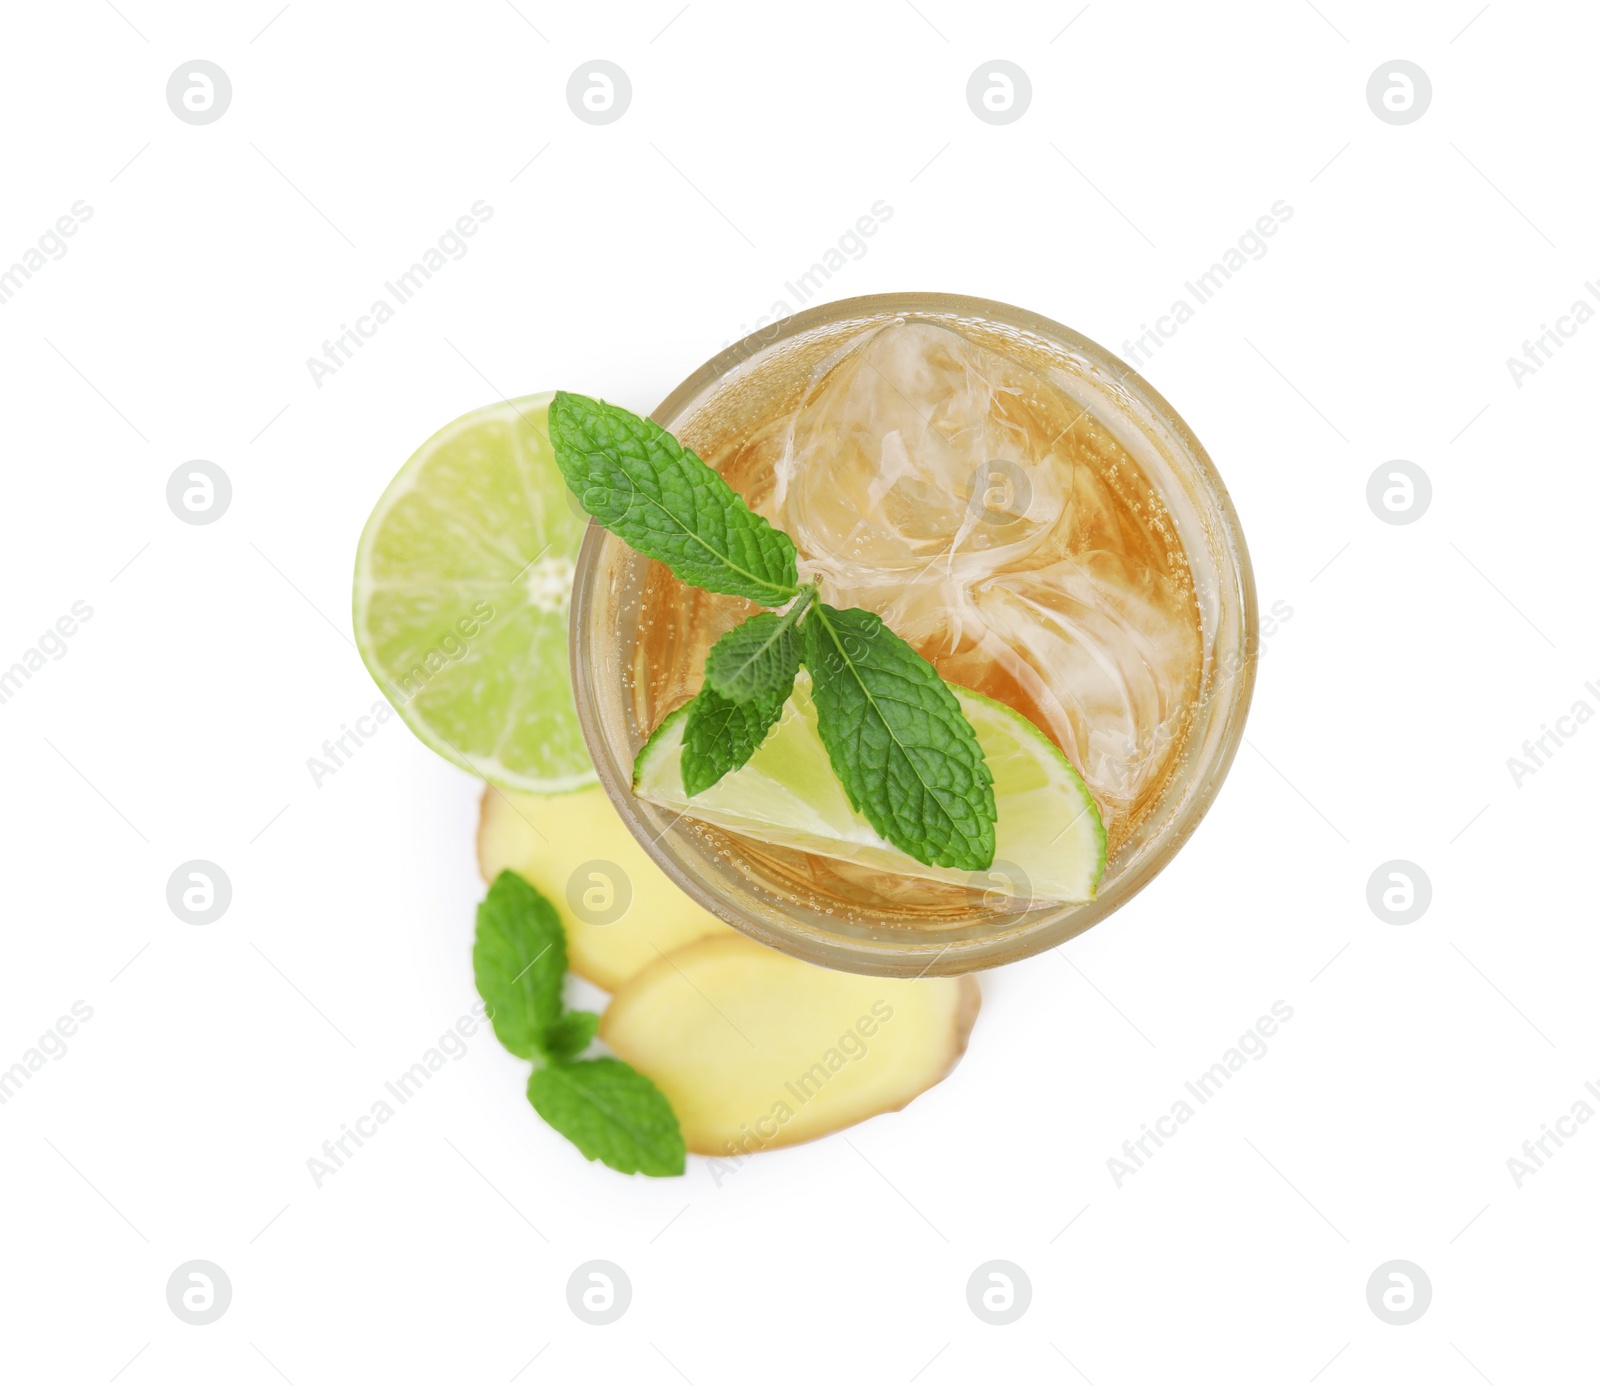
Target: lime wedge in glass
x=1049 y=840
x=462 y=586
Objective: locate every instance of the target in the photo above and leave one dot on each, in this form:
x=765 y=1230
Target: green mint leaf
x=609 y=1111
x=519 y=959
x=572 y=1034
x=756 y=659
x=653 y=493
x=612 y=1113
x=898 y=740
x=721 y=734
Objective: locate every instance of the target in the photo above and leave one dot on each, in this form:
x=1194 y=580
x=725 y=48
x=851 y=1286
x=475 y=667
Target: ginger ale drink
x=1013 y=504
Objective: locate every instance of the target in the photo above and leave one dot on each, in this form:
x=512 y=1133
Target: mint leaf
x=637 y=480
x=519 y=958
x=721 y=734
x=606 y=1109
x=612 y=1113
x=898 y=740
x=759 y=657
x=572 y=1034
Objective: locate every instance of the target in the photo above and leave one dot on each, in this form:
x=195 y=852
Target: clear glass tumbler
x=753 y=891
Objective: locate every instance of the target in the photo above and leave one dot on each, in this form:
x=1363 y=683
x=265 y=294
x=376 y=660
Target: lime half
x=1049 y=841
x=462 y=587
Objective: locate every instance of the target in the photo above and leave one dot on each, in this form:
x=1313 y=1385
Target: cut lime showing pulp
x=462 y=587
x=1049 y=842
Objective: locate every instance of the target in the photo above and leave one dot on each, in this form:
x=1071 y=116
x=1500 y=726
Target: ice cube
x=994 y=523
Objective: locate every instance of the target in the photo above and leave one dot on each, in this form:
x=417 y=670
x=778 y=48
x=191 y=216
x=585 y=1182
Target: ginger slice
x=756 y=1050
x=620 y=911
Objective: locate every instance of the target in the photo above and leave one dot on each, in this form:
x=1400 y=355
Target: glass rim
x=914 y=953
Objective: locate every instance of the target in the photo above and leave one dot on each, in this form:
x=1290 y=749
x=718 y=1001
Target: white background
x=1416 y=660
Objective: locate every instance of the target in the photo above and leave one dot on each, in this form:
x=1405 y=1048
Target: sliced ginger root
x=756 y=1050
x=549 y=840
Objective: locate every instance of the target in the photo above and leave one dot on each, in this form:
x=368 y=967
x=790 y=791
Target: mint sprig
x=610 y=1111
x=653 y=493
x=894 y=732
